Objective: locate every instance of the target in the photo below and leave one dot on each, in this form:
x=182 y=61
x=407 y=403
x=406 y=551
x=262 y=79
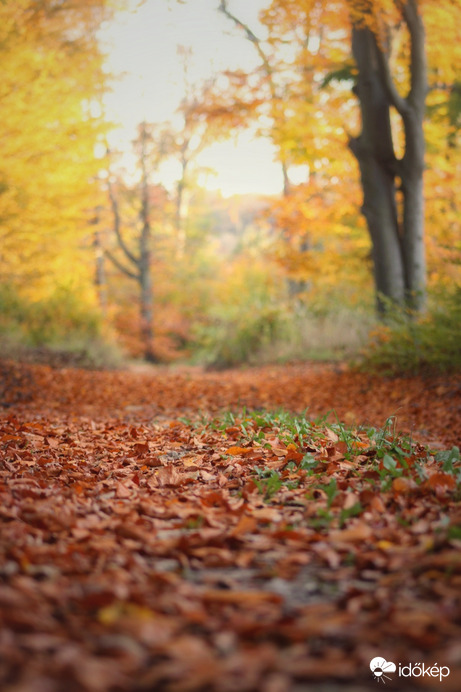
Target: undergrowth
x=278 y=334
x=326 y=460
x=414 y=345
x=60 y=329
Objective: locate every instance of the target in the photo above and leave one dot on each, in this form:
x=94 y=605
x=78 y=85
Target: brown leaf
x=267 y=514
x=122 y=491
x=360 y=531
x=246 y=524
x=403 y=486
x=440 y=482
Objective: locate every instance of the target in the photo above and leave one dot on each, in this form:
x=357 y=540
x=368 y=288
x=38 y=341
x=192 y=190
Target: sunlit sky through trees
x=143 y=50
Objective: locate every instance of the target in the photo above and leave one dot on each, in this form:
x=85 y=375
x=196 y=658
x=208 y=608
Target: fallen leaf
x=356 y=533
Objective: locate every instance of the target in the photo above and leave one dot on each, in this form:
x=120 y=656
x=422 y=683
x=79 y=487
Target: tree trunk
x=100 y=273
x=397 y=239
x=374 y=151
x=139 y=264
x=179 y=209
x=147 y=314
x=413 y=248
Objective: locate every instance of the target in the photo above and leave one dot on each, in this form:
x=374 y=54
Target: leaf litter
x=181 y=530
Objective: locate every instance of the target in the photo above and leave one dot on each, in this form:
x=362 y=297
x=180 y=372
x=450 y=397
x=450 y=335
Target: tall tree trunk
x=100 y=272
x=179 y=205
x=374 y=151
x=147 y=312
x=100 y=281
x=413 y=248
x=137 y=266
x=397 y=239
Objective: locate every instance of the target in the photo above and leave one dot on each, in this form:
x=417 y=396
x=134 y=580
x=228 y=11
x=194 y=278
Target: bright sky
x=142 y=46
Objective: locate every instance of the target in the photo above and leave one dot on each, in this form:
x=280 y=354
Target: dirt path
x=428 y=408
x=142 y=552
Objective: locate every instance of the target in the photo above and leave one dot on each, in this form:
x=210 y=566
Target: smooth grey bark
x=397 y=236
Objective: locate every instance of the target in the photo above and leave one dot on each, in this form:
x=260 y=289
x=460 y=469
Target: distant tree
x=136 y=264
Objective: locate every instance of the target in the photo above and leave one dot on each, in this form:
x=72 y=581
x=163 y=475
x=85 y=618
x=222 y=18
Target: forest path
x=144 y=548
x=428 y=408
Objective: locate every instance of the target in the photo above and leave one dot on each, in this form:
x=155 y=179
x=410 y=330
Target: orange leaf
x=341 y=447
x=403 y=485
x=246 y=524
x=377 y=504
x=234 y=451
x=441 y=481
x=140 y=448
x=294 y=455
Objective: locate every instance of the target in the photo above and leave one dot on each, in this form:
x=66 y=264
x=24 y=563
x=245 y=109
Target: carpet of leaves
x=149 y=541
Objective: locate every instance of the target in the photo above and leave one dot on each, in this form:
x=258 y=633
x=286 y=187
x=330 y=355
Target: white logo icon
x=380 y=667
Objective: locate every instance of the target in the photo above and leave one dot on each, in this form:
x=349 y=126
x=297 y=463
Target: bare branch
x=249 y=33
x=117 y=227
x=251 y=36
x=132 y=275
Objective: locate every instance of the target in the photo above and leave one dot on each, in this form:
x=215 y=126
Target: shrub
x=431 y=342
x=238 y=339
x=57 y=329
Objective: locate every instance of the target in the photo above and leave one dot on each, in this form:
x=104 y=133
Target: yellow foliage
x=51 y=75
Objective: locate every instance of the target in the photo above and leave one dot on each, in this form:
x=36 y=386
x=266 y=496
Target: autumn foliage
x=56 y=213
x=51 y=89
x=306 y=92
x=268 y=529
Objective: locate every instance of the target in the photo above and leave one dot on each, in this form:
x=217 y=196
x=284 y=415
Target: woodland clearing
x=175 y=529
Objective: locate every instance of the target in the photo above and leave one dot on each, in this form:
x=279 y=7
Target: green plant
x=240 y=339
x=59 y=328
x=451 y=461
x=346 y=514
x=378 y=459
x=268 y=482
x=412 y=344
x=330 y=489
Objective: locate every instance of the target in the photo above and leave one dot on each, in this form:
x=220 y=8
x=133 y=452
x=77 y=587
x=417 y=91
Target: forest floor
x=150 y=539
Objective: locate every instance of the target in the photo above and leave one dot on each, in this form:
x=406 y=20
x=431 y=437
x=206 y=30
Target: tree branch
x=399 y=102
x=121 y=267
x=418 y=66
x=251 y=36
x=123 y=246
